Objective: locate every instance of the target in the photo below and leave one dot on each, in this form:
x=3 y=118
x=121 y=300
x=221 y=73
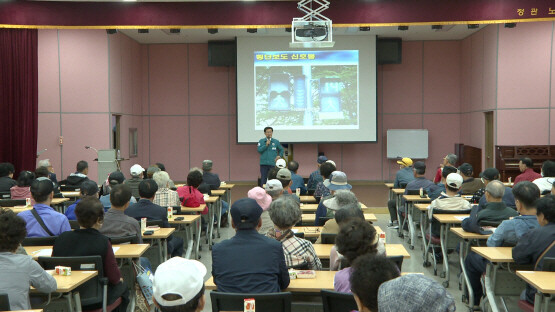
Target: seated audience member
x=164 y=196
x=299 y=253
x=136 y=172
x=368 y=273
x=274 y=188
x=402 y=178
x=22 y=189
x=116 y=223
x=509 y=232
x=42 y=172
x=414 y=292
x=337 y=182
x=248 y=262
x=419 y=182
x=145 y=208
x=449 y=200
x=526 y=165
x=272 y=173
x=548 y=177
x=356 y=238
x=531 y=246
x=19 y=271
x=51 y=175
x=115 y=178
x=6 y=177
x=341 y=200
x=213 y=181
x=46 y=221
x=553 y=189
x=435 y=190
x=494 y=210
x=280 y=163
x=203 y=187
x=179 y=286
x=77 y=178
x=87 y=241
x=284 y=176
x=448 y=160
x=315 y=176
x=326 y=170
x=163 y=168
x=88 y=189
x=344 y=215
x=297 y=180
x=208 y=177
x=470 y=185
x=152 y=169
x=264 y=200
x=189 y=194
x=492 y=174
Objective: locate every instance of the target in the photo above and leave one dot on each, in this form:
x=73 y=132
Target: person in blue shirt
x=270 y=151
x=315 y=177
x=88 y=188
x=55 y=223
x=509 y=232
x=402 y=178
x=114 y=179
x=298 y=181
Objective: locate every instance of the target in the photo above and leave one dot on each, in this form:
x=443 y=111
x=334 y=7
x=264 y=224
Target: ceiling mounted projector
x=313 y=30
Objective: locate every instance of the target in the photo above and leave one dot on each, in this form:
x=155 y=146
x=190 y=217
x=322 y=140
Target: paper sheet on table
x=115 y=249
x=460 y=217
x=294 y=230
x=47 y=252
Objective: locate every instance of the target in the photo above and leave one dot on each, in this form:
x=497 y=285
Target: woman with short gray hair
x=299 y=253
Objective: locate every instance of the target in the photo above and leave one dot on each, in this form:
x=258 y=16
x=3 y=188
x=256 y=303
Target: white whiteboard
x=411 y=143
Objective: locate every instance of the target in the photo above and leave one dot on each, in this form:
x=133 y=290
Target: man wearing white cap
x=179 y=285
x=448 y=200
x=136 y=178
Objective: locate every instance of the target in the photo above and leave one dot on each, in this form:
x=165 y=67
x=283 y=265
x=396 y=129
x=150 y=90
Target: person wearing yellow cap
x=402 y=178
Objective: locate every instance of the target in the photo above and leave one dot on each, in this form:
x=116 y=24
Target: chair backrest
x=337 y=302
x=302 y=266
x=176 y=209
x=416 y=192
x=398 y=260
x=4 y=302
x=274 y=302
x=39 y=241
x=548 y=264
x=403 y=185
x=70 y=188
x=12 y=202
x=299 y=234
x=310 y=192
x=323 y=220
x=74 y=224
x=444 y=211
x=129 y=239
x=5 y=195
x=91 y=292
x=154 y=222
x=328 y=238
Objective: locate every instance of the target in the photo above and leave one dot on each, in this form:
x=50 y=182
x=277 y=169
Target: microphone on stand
x=40 y=152
x=90 y=147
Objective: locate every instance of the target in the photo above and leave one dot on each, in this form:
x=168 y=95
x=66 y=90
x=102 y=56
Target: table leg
x=401 y=226
x=412 y=227
x=165 y=248
x=219 y=216
x=198 y=232
x=189 y=238
x=77 y=299
x=160 y=252
x=463 y=251
x=443 y=240
x=489 y=287
x=210 y=229
x=69 y=298
x=423 y=226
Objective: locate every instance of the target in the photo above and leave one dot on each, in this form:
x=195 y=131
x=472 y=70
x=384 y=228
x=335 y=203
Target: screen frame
x=377 y=139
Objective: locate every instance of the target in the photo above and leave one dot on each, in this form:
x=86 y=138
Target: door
x=488 y=148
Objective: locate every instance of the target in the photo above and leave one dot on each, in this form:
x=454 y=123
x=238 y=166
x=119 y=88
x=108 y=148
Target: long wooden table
x=496 y=256
x=391 y=250
x=124 y=251
x=315 y=231
x=307 y=199
x=544 y=282
x=161 y=236
x=190 y=224
x=67 y=284
x=311 y=218
x=314 y=207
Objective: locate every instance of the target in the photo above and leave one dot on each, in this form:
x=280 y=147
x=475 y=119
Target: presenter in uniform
x=270 y=151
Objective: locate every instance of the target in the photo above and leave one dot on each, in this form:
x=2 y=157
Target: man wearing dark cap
x=315 y=176
x=114 y=179
x=488 y=175
x=88 y=188
x=470 y=185
x=43 y=220
x=249 y=262
x=208 y=177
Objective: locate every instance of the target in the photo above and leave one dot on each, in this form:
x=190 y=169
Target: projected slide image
x=306 y=90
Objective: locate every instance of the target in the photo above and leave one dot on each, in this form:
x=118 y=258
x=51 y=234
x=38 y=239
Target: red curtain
x=18 y=98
